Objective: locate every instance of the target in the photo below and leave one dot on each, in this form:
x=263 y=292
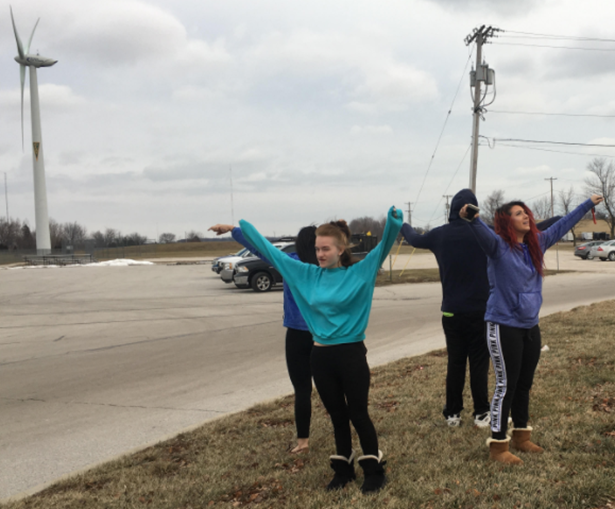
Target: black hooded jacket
x=462 y=262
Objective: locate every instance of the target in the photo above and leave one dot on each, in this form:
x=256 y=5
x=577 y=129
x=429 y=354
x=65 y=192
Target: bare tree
x=541 y=208
x=567 y=202
x=111 y=237
x=134 y=239
x=194 y=236
x=55 y=234
x=602 y=182
x=166 y=238
x=27 y=239
x=99 y=239
x=73 y=233
x=493 y=201
x=9 y=233
x=368 y=224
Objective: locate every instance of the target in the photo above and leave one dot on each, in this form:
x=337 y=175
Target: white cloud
x=371 y=129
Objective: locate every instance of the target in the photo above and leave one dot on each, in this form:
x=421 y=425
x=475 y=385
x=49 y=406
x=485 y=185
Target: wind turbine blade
x=19 y=45
x=31 y=36
x=22 y=76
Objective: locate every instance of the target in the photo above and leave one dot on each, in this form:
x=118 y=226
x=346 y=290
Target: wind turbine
x=24 y=59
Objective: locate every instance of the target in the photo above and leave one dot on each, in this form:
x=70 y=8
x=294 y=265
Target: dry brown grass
x=426 y=276
x=176 y=250
x=240 y=460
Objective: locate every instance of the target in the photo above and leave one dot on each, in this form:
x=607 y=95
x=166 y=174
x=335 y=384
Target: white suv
x=228 y=267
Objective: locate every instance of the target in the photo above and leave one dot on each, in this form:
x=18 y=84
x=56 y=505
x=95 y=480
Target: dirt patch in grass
x=242 y=460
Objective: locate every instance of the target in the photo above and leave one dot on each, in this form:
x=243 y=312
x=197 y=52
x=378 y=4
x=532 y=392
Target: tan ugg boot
x=521 y=441
x=498 y=451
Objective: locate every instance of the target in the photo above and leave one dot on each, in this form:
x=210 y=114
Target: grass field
x=241 y=460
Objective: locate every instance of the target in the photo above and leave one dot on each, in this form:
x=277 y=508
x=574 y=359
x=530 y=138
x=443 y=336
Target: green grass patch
x=241 y=460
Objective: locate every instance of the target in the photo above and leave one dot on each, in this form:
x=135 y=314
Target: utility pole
x=232 y=206
x=482 y=73
x=552 y=214
x=551 y=179
x=447 y=196
x=409 y=212
x=6 y=198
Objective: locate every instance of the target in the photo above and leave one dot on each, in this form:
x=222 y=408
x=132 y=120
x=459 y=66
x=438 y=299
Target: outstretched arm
x=415 y=239
x=375 y=258
x=287 y=266
x=221 y=229
x=488 y=240
x=556 y=231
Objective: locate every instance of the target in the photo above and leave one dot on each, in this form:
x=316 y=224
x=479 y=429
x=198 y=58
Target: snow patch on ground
x=120 y=262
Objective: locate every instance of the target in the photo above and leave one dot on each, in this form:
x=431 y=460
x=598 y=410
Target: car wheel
x=612 y=256
x=261 y=282
x=603 y=259
x=589 y=256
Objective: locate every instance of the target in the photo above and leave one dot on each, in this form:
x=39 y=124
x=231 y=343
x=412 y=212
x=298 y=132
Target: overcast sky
x=323 y=109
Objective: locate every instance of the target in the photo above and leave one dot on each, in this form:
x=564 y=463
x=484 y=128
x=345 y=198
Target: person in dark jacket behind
x=465 y=290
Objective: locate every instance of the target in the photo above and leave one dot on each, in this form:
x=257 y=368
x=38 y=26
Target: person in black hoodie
x=465 y=290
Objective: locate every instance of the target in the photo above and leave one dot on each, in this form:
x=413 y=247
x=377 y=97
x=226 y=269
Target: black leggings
x=465 y=340
x=299 y=345
x=515 y=353
x=341 y=375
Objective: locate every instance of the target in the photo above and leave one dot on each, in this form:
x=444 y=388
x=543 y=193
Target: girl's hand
x=221 y=229
x=596 y=198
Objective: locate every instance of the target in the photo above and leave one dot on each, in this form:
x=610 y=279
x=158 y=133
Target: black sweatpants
x=299 y=344
x=465 y=340
x=515 y=353
x=342 y=377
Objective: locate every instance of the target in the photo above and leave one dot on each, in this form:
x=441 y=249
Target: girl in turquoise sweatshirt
x=335 y=300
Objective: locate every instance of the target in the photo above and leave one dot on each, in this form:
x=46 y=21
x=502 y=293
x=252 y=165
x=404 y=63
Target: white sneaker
x=482 y=420
x=454 y=421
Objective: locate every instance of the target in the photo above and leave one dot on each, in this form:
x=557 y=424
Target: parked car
x=584 y=250
x=218 y=263
x=230 y=267
x=606 y=251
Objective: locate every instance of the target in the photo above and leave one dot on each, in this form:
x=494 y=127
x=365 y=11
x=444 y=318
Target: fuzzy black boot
x=344 y=471
x=373 y=470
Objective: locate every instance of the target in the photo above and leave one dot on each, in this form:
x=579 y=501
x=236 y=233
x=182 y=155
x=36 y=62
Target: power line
x=551 y=114
x=552 y=47
x=569 y=143
x=442 y=131
x=556 y=151
x=552 y=36
x=450 y=182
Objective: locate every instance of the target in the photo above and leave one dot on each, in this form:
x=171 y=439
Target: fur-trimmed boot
x=521 y=441
x=498 y=451
x=344 y=471
x=373 y=471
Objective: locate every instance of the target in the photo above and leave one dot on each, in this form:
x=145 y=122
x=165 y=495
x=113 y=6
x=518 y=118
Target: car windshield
x=241 y=252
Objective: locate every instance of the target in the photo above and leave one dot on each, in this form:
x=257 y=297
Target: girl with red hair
x=515 y=267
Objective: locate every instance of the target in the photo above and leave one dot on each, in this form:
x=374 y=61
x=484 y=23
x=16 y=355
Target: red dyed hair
x=504 y=228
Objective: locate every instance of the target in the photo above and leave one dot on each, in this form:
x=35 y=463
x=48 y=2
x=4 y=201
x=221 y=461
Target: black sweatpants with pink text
x=514 y=353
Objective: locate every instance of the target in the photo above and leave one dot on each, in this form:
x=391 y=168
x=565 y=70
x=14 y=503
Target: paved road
x=95 y=362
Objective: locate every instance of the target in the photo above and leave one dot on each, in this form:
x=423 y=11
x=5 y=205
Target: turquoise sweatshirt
x=335 y=303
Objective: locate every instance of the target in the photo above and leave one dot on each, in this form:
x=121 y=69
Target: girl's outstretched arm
x=375 y=258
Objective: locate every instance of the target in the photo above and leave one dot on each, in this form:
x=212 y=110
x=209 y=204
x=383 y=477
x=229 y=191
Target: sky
x=313 y=110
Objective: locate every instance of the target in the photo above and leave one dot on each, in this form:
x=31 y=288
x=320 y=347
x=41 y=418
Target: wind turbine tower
x=33 y=62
